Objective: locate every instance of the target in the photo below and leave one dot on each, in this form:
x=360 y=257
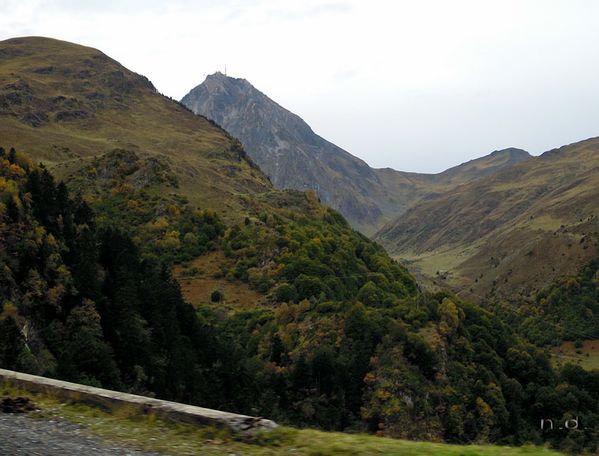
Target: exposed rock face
x=287 y=149
x=293 y=156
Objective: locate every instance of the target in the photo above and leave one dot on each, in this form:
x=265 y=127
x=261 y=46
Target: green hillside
x=81 y=302
x=511 y=234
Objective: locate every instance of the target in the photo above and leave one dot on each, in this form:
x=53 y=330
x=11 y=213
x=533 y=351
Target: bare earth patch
x=586 y=356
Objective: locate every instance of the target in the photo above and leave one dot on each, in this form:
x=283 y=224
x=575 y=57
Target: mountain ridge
x=286 y=145
x=512 y=233
x=80 y=103
x=294 y=156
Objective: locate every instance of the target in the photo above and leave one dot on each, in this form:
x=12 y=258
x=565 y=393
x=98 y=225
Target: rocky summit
x=286 y=148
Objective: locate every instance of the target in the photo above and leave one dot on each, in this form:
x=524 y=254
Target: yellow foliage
x=16 y=170
x=303 y=307
x=484 y=409
x=9 y=310
x=55 y=294
x=190 y=238
x=51 y=241
x=24 y=160
x=283 y=314
x=170 y=241
x=383 y=395
x=122 y=188
x=159 y=225
x=173 y=210
x=370 y=378
x=572 y=284
x=449 y=317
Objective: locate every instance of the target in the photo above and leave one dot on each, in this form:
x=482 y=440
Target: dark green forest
x=567 y=310
x=346 y=342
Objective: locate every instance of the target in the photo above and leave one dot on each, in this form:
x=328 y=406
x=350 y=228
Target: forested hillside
x=80 y=302
x=566 y=310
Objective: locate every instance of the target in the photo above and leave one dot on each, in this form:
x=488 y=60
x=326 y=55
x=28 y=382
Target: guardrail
x=147 y=405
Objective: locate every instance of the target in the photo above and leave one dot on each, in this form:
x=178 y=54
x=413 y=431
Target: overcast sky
x=413 y=85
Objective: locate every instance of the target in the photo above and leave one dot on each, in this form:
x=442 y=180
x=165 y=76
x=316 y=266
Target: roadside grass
x=126 y=427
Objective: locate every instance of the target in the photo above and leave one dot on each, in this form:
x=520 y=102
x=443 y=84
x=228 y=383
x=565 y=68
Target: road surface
x=21 y=435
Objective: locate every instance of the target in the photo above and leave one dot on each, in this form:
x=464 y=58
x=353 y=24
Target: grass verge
x=125 y=427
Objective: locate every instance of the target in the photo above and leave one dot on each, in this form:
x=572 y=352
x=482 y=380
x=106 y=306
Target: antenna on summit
x=225 y=69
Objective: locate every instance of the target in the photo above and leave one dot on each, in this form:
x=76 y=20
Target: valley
x=495 y=230
x=293 y=156
x=511 y=234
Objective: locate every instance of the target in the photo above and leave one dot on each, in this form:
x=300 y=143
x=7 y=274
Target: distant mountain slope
x=511 y=233
x=287 y=149
x=405 y=189
x=64 y=104
x=293 y=156
x=481 y=167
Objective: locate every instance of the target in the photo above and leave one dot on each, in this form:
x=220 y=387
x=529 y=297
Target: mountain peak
x=513 y=152
x=484 y=166
x=221 y=77
x=286 y=148
x=218 y=75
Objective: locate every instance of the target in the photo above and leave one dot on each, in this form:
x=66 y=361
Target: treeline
x=346 y=342
x=80 y=303
x=568 y=310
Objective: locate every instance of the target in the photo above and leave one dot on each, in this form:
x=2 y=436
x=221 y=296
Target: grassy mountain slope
x=293 y=156
x=403 y=190
x=511 y=233
x=65 y=104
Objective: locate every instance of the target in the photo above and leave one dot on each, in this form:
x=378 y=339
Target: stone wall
x=165 y=409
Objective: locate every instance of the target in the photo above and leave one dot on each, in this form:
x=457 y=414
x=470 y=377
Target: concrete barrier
x=147 y=405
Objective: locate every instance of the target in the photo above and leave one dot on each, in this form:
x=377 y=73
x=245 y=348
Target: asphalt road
x=22 y=435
